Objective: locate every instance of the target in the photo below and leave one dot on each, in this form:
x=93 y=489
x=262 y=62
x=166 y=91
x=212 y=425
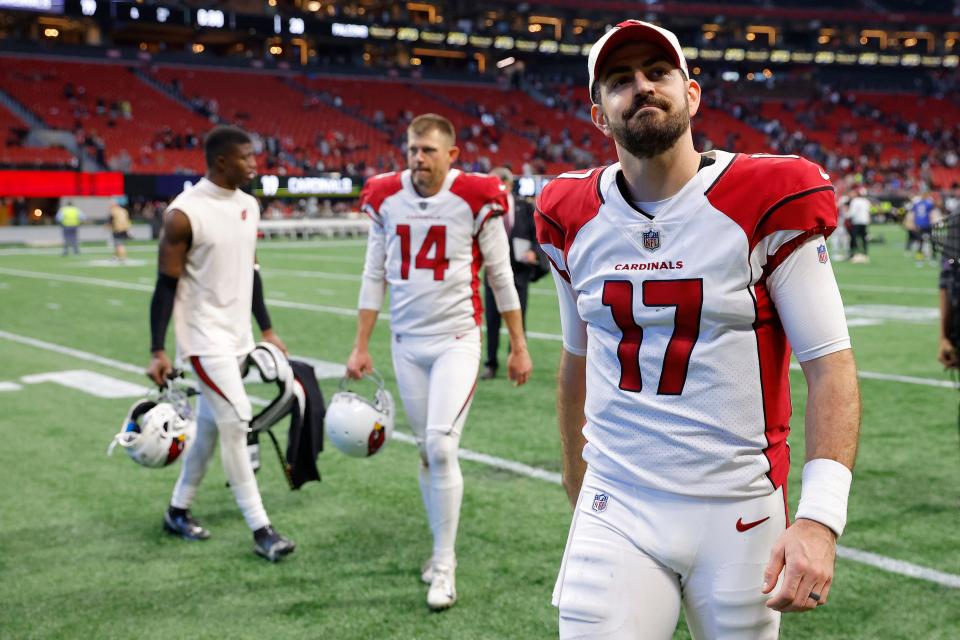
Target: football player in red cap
x=685 y=280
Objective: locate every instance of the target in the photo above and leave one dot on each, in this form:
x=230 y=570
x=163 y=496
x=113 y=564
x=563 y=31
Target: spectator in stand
x=70 y=218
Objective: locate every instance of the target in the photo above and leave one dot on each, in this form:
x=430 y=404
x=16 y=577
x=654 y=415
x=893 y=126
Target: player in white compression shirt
x=429 y=237
x=684 y=279
x=208 y=281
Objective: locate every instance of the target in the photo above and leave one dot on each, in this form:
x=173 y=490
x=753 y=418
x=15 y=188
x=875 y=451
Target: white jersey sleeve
x=495 y=249
x=374 y=282
x=805 y=293
x=573 y=327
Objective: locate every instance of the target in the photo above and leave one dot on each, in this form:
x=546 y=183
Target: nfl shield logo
x=423 y=205
x=651 y=240
x=822 y=254
x=600 y=502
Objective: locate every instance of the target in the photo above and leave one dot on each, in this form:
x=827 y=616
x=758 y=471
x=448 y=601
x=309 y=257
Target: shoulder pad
x=377 y=189
x=765 y=193
x=479 y=190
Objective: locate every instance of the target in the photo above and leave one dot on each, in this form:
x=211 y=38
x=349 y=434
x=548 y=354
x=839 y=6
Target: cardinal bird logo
x=377 y=437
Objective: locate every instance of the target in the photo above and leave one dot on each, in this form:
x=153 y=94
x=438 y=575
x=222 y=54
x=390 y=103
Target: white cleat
x=426 y=571
x=443 y=589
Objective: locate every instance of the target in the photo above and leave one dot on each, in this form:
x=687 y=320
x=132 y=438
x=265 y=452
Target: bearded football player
x=685 y=279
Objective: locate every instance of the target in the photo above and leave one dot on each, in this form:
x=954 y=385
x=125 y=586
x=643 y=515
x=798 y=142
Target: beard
x=650 y=135
x=422 y=180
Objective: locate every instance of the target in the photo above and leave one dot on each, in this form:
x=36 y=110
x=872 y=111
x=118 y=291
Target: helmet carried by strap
x=155 y=433
x=357 y=426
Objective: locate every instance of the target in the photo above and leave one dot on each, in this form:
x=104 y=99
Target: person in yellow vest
x=120 y=228
x=69 y=218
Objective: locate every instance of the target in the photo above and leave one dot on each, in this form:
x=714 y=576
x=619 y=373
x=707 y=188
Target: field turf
x=82 y=553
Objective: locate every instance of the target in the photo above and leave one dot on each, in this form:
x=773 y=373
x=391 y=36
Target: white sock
x=236 y=464
x=446 y=494
x=425 y=493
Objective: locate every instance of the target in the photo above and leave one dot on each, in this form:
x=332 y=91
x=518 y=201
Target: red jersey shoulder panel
x=480 y=191
x=566 y=204
x=377 y=189
x=764 y=194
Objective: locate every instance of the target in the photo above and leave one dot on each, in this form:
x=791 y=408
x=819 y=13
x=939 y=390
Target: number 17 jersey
x=686 y=353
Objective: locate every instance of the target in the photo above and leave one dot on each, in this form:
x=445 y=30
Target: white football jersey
x=687 y=357
x=432 y=252
x=214 y=299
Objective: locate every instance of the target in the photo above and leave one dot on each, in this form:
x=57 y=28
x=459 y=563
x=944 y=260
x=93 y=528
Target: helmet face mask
x=357 y=426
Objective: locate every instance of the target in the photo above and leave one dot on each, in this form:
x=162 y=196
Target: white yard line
x=287 y=245
x=96 y=282
x=116 y=284
x=350 y=312
x=890 y=565
x=262 y=245
x=879 y=288
x=323 y=275
x=892 y=377
x=492 y=461
x=311 y=257
x=901 y=567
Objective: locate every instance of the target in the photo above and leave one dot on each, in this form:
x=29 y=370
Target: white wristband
x=824 y=493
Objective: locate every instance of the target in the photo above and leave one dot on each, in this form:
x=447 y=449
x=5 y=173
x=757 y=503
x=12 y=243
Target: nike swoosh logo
x=741 y=527
x=459 y=337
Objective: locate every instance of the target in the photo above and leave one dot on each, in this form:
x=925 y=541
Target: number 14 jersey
x=684 y=318
x=430 y=250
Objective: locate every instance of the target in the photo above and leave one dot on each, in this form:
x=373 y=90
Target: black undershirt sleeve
x=161 y=308
x=259 y=306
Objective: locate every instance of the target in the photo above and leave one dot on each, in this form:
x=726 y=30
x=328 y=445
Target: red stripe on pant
x=195 y=361
x=465 y=403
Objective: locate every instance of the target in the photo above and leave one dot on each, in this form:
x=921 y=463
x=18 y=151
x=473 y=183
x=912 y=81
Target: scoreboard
x=125 y=13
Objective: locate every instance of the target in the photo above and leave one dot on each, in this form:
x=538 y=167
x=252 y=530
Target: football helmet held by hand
x=155 y=434
x=357 y=426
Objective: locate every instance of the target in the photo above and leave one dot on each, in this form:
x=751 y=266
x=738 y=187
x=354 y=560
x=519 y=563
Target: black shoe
x=179 y=522
x=489 y=373
x=269 y=544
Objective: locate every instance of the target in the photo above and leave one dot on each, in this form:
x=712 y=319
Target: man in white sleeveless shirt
x=432 y=230
x=209 y=282
x=684 y=281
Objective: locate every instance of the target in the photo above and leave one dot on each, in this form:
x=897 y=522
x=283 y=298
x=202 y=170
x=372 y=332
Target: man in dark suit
x=524 y=259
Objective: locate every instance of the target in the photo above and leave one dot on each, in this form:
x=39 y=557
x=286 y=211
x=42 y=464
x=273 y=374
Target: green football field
x=82 y=553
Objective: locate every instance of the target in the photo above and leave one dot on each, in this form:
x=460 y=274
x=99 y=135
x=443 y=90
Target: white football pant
x=634 y=555
x=223 y=409
x=437 y=376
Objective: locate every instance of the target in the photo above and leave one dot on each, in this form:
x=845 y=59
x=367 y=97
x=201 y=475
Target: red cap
x=633 y=31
